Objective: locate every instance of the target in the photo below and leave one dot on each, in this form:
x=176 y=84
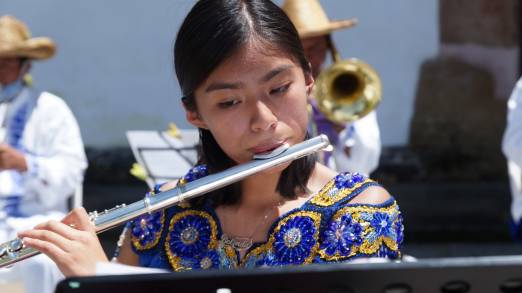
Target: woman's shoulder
x=362 y=219
x=372 y=195
x=358 y=230
x=337 y=189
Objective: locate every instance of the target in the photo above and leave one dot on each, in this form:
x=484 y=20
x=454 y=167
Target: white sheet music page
x=163 y=156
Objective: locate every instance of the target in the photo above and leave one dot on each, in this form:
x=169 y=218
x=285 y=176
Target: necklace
x=241 y=243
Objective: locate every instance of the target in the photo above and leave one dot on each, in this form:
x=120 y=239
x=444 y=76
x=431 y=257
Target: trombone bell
x=347 y=91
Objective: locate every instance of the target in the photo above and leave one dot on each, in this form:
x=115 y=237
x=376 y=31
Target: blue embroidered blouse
x=325 y=229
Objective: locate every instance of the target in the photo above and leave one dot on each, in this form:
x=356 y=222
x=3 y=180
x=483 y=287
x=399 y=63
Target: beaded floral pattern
x=343 y=186
x=194 y=174
x=191 y=239
x=146 y=230
x=341 y=235
x=293 y=241
x=295 y=238
x=208 y=260
x=363 y=230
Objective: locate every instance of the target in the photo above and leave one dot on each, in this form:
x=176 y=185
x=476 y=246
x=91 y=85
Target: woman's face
x=253 y=102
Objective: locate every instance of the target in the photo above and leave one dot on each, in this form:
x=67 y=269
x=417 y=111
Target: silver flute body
x=14 y=250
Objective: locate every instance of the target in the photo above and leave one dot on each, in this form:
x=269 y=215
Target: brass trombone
x=347 y=90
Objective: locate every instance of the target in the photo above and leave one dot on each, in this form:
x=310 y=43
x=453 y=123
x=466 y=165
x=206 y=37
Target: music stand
x=480 y=274
x=163 y=156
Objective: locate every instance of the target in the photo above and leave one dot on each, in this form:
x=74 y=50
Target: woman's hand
x=72 y=243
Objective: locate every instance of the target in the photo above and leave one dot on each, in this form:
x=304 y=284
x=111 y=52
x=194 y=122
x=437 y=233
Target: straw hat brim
x=35 y=48
x=332 y=26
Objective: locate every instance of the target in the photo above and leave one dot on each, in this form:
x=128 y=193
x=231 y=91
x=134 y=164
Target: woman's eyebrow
x=275 y=72
x=237 y=85
x=223 y=85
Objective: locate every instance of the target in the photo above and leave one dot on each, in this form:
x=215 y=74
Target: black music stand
x=481 y=274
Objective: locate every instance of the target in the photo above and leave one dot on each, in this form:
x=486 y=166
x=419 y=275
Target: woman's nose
x=263 y=118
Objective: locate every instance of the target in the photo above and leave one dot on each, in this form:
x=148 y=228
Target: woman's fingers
x=47 y=236
x=75 y=250
x=79 y=218
x=51 y=250
x=64 y=260
x=59 y=228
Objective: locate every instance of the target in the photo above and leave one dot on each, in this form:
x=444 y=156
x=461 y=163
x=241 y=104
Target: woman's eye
x=280 y=90
x=228 y=104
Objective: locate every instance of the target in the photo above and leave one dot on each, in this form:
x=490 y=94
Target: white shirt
x=512 y=148
x=364 y=140
x=512 y=141
x=53 y=148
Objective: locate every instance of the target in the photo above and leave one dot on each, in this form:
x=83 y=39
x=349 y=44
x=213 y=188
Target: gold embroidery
x=357 y=214
x=330 y=194
x=268 y=246
x=230 y=254
x=157 y=235
x=175 y=260
x=256 y=252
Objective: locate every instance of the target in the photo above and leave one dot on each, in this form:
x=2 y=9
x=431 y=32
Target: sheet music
x=164 y=157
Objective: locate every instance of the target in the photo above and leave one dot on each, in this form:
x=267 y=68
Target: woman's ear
x=194 y=119
x=309 y=83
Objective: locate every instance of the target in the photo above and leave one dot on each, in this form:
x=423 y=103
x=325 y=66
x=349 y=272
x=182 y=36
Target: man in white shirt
x=512 y=149
x=42 y=158
x=357 y=145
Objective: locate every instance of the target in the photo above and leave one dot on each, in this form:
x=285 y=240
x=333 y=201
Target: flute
x=14 y=251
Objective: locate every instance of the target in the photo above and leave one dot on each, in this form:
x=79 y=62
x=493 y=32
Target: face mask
x=10 y=91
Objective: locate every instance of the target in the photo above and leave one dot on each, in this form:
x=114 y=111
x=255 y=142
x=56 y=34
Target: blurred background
x=447 y=68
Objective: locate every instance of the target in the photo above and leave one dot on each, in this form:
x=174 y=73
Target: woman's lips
x=266 y=147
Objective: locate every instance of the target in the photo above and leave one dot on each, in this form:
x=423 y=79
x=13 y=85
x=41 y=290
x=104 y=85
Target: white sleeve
x=114 y=268
x=512 y=140
x=57 y=166
x=364 y=139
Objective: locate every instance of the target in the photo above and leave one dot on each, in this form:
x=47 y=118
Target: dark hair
x=212 y=32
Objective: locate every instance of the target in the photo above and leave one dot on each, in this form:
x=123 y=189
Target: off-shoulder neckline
x=389 y=202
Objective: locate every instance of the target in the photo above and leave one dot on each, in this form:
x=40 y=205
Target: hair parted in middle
x=211 y=33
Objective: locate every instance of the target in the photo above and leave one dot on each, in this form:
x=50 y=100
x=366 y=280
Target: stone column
x=460 y=106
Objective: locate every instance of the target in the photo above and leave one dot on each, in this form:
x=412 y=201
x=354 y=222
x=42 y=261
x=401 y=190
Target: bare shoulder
x=372 y=195
x=320 y=177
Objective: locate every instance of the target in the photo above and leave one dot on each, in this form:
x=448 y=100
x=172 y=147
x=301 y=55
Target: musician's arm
x=127 y=256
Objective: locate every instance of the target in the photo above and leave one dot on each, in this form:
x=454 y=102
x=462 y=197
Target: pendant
x=238 y=243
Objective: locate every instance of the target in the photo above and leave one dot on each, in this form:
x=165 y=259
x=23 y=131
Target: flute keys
x=93 y=216
x=16 y=245
x=12 y=248
x=3 y=251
